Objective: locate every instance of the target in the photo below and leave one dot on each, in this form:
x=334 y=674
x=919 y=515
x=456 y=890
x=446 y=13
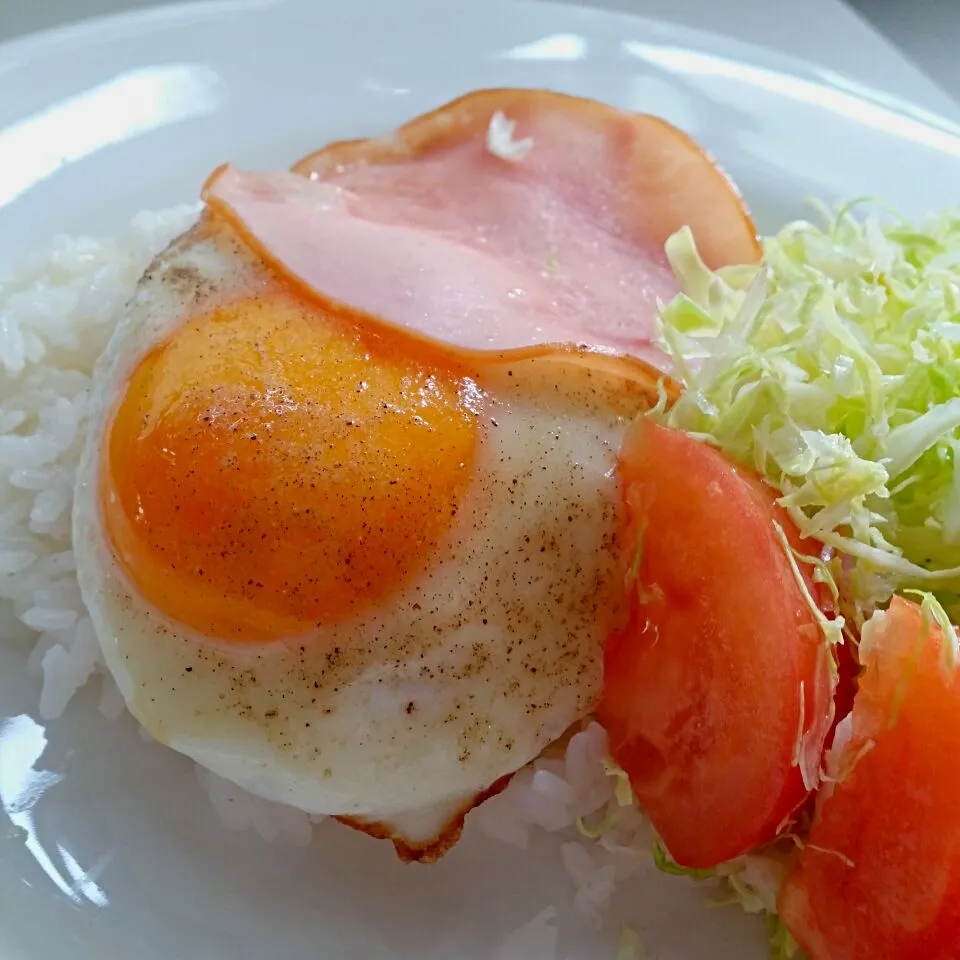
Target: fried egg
x=336 y=549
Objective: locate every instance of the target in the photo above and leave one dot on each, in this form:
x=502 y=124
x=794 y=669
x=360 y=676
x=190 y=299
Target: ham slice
x=458 y=234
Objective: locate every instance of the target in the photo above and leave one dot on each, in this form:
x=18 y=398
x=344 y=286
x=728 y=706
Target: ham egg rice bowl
x=494 y=472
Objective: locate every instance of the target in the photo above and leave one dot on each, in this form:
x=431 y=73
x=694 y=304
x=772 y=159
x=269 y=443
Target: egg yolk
x=271 y=467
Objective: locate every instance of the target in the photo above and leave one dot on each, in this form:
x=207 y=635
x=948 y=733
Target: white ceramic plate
x=101 y=120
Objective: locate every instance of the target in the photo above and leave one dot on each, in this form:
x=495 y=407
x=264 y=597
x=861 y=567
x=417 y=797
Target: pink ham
x=433 y=232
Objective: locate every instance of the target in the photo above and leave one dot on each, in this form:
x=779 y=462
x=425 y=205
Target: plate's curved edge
x=751 y=52
x=109 y=27
x=106 y=29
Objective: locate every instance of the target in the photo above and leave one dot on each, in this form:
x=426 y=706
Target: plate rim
x=106 y=29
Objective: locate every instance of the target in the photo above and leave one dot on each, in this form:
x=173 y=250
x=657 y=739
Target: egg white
x=403 y=715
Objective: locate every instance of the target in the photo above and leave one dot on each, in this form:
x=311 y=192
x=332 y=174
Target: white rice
x=57 y=312
x=56 y=315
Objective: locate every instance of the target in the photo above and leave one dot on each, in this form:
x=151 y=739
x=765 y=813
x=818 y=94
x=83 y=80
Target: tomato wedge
x=719 y=689
x=880 y=876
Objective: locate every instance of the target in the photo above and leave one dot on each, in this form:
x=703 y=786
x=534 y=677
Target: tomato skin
x=880 y=877
x=702 y=688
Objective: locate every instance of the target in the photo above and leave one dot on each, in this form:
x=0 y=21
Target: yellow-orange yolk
x=270 y=468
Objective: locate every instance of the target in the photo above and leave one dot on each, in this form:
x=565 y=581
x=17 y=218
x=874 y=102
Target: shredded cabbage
x=834 y=369
x=623 y=792
x=754 y=881
x=606 y=823
x=932 y=611
x=782 y=944
x=666 y=864
x=630 y=946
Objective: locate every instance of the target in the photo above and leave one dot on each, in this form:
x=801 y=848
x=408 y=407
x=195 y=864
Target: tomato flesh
x=722 y=669
x=880 y=876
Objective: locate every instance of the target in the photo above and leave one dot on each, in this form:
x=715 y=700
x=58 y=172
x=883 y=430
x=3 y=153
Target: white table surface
x=825 y=31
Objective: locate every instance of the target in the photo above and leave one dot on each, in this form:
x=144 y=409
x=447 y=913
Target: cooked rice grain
x=57 y=312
